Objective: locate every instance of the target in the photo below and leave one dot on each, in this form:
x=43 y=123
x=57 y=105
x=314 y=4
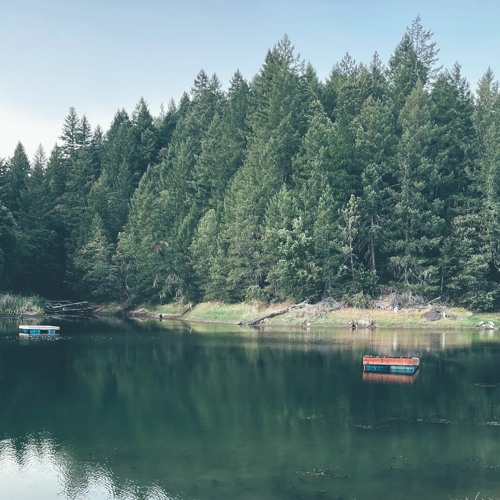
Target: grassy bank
x=314 y=316
x=16 y=305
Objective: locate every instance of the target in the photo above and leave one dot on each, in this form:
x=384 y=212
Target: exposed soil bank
x=316 y=316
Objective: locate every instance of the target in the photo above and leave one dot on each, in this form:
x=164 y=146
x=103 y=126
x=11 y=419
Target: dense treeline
x=382 y=176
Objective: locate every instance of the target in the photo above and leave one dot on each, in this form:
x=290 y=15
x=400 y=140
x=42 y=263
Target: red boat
x=389 y=364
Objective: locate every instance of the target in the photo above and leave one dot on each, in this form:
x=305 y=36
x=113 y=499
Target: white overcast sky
x=103 y=55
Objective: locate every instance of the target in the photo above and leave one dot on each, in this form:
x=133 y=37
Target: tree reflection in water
x=156 y=410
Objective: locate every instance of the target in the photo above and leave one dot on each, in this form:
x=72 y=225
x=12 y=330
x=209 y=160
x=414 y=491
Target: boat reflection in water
x=390 y=369
x=389 y=378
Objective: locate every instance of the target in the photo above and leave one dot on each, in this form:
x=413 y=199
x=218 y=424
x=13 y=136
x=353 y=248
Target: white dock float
x=38 y=330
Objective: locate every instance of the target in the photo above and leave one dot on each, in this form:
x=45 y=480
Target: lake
x=163 y=410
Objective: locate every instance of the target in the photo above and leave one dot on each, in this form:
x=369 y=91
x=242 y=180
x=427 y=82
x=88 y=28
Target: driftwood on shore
x=66 y=307
x=163 y=316
x=355 y=324
x=284 y=310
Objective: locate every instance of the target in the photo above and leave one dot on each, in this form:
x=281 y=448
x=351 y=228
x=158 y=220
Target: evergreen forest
x=383 y=177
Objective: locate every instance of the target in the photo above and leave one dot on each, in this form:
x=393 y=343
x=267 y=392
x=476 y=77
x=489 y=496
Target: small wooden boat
x=389 y=364
x=38 y=330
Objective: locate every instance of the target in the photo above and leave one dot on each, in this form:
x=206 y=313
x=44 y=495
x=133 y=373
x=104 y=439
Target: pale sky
x=99 y=56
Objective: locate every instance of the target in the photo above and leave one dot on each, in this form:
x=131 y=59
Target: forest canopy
x=382 y=177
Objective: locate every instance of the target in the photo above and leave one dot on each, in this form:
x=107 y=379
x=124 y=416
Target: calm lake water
x=158 y=410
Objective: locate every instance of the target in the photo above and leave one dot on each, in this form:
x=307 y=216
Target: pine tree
x=74 y=171
x=143 y=254
x=375 y=149
x=348 y=86
x=287 y=251
x=14 y=179
x=377 y=79
x=277 y=120
x=175 y=211
x=55 y=179
x=9 y=262
x=403 y=72
x=203 y=251
x=223 y=146
x=244 y=207
x=84 y=133
x=468 y=261
x=71 y=133
x=315 y=166
x=56 y=174
x=96 y=274
x=349 y=230
x=346 y=90
x=454 y=143
x=416 y=225
x=425 y=50
x=38 y=242
x=486 y=107
x=413 y=60
x=326 y=249
x=165 y=125
x=109 y=195
x=486 y=179
x=145 y=139
x=359 y=284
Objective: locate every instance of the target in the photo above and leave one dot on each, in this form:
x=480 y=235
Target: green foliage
x=280 y=188
x=38 y=239
x=375 y=149
x=416 y=238
x=472 y=281
x=325 y=237
x=288 y=252
x=143 y=250
x=95 y=268
x=357 y=299
x=9 y=241
x=203 y=251
x=13 y=179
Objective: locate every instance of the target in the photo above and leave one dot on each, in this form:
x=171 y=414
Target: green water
x=154 y=410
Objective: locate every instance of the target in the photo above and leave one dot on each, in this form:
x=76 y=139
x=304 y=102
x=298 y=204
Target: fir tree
x=375 y=149
x=416 y=226
x=14 y=179
x=37 y=256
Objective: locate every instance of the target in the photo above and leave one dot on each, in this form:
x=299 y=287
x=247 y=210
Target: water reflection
x=39 y=467
x=162 y=410
x=389 y=378
x=26 y=340
x=24 y=467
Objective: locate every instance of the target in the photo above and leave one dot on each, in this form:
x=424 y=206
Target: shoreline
x=288 y=314
x=312 y=316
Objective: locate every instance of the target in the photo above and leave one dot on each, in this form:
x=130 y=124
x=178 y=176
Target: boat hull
x=410 y=370
x=395 y=365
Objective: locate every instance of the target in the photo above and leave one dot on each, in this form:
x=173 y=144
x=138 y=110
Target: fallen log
x=260 y=319
x=189 y=308
x=70 y=308
x=72 y=305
